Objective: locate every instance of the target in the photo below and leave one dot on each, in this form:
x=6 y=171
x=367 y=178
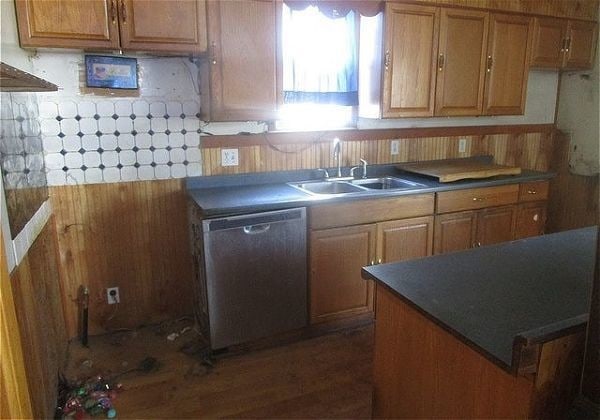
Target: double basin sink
x=349 y=185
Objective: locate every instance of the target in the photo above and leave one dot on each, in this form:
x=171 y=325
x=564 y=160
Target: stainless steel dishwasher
x=255 y=272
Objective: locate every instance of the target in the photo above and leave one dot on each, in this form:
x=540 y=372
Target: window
x=320 y=69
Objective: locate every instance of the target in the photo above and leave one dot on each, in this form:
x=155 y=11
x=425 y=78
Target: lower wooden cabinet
x=496 y=225
x=531 y=219
x=337 y=255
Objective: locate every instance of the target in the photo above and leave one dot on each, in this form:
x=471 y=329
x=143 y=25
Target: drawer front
x=370 y=211
x=477 y=198
x=534 y=191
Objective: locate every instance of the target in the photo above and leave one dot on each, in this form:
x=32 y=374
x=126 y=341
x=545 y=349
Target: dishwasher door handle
x=256 y=229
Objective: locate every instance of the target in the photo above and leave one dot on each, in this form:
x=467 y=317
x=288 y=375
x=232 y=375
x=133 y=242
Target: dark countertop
x=489 y=297
x=224 y=195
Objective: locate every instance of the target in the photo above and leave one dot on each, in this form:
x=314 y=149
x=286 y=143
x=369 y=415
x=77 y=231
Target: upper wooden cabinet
x=68 y=23
x=563 y=44
x=450 y=61
x=411 y=41
x=461 y=62
x=507 y=64
x=163 y=25
x=143 y=25
x=239 y=79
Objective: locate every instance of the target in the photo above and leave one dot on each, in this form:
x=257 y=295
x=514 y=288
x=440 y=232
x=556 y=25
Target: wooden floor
x=326 y=376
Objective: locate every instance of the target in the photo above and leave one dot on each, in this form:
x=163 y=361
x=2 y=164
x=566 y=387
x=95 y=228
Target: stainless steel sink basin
x=327 y=187
x=386 y=183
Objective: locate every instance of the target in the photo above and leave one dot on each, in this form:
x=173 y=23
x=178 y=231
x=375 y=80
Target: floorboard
x=327 y=376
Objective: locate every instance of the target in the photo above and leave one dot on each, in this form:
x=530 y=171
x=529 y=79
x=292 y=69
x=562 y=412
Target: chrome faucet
x=363 y=165
x=337 y=151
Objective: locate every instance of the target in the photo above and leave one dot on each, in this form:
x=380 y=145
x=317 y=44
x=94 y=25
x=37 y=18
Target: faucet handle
x=325 y=173
x=364 y=164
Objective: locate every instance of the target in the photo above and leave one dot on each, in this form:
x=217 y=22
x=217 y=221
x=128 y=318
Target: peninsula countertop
x=224 y=195
x=495 y=296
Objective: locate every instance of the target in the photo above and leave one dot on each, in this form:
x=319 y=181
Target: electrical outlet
x=462 y=145
x=395 y=147
x=112 y=295
x=229 y=157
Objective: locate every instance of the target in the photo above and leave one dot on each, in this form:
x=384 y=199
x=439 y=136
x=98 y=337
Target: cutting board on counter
x=449 y=170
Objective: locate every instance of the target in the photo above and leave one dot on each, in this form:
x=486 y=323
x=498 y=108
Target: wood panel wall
x=528 y=150
x=37 y=298
x=132 y=235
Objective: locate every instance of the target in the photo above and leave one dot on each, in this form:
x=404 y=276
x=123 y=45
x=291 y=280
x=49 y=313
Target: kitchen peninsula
x=493 y=332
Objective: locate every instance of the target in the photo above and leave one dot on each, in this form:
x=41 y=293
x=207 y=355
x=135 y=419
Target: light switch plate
x=395 y=147
x=462 y=145
x=229 y=157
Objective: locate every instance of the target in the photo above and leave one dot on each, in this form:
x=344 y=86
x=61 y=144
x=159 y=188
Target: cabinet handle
x=113 y=11
x=568 y=47
x=123 y=11
x=490 y=61
x=379 y=261
x=531 y=192
x=213 y=47
x=387 y=60
x=536 y=217
x=441 y=60
x=478 y=198
x=476 y=244
x=563 y=44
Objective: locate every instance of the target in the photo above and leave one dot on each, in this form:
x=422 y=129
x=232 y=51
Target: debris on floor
x=91 y=397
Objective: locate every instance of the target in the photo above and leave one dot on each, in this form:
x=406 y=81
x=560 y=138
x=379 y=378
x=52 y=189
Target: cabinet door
x=163 y=25
x=581 y=45
x=242 y=82
x=548 y=42
x=496 y=225
x=507 y=64
x=336 y=258
x=461 y=62
x=455 y=231
x=400 y=240
x=531 y=219
x=90 y=24
x=411 y=40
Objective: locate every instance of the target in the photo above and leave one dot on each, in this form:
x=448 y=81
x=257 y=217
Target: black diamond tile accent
x=199 y=131
x=169 y=163
x=182 y=116
x=168 y=148
x=100 y=150
x=80 y=134
x=198 y=115
x=166 y=116
x=184 y=147
x=84 y=168
x=149 y=116
x=151 y=132
x=115 y=117
x=167 y=131
x=118 y=149
x=63 y=152
x=185 y=162
x=81 y=151
x=26 y=171
x=152 y=148
x=135 y=148
x=119 y=166
x=99 y=133
x=77 y=118
x=22 y=136
x=20 y=119
x=116 y=133
x=64 y=168
x=132 y=116
x=96 y=117
x=61 y=135
x=133 y=132
x=101 y=166
x=59 y=118
x=137 y=165
x=153 y=164
x=23 y=153
x=183 y=131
